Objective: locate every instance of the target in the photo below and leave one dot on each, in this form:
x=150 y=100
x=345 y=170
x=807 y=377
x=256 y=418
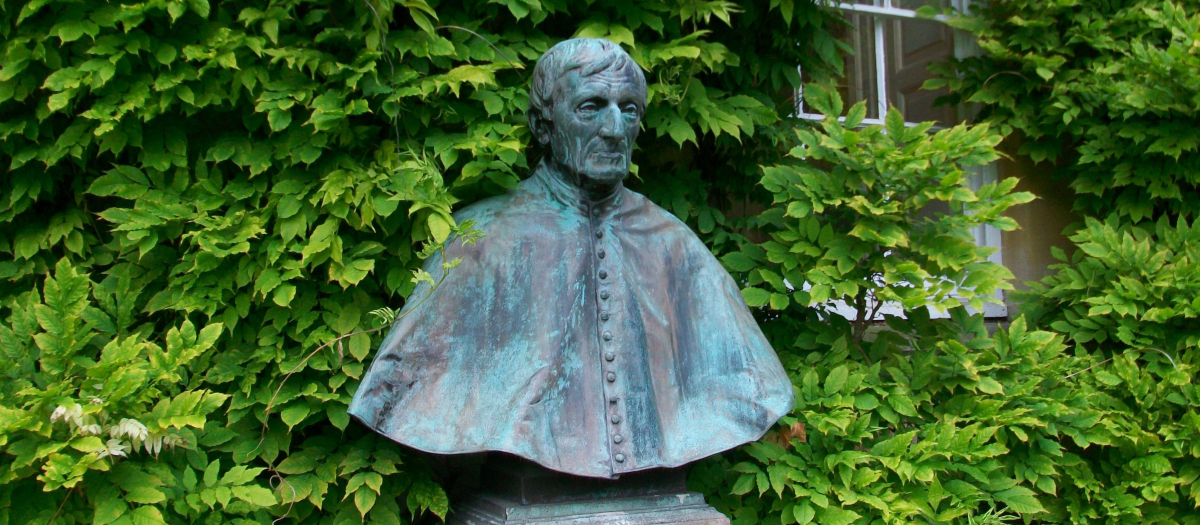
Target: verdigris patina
x=589 y=330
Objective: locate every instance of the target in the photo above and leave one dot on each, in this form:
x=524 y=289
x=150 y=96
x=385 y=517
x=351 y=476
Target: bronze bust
x=589 y=330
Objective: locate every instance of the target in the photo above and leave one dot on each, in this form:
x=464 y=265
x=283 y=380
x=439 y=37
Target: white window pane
x=912 y=45
x=860 y=79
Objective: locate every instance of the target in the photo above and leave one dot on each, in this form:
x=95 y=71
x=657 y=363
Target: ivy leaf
x=425 y=494
x=294 y=414
x=803 y=513
x=146 y=515
x=279 y=119
x=1020 y=499
x=211 y=472
x=165 y=54
x=836 y=380
x=837 y=516
x=744 y=484
x=364 y=499
x=990 y=386
x=439 y=227
x=255 y=495
x=146 y=495
x=108 y=509
x=755 y=297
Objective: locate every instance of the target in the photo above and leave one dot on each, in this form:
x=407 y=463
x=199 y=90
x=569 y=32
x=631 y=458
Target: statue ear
x=541 y=127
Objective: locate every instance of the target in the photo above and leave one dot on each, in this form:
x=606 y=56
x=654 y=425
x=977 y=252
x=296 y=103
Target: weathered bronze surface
x=589 y=330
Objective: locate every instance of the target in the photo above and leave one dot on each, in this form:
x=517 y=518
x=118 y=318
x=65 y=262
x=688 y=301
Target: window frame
x=880 y=12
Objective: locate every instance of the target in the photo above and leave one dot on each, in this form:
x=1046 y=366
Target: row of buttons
x=609 y=356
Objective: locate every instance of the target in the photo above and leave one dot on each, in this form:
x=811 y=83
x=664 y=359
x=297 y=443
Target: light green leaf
x=1021 y=500
x=836 y=380
x=364 y=499
x=255 y=495
x=755 y=297
x=294 y=414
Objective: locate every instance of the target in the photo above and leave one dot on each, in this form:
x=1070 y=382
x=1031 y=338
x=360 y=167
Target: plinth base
x=686 y=508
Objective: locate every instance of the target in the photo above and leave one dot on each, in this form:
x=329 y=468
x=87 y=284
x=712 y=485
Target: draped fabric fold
x=594 y=337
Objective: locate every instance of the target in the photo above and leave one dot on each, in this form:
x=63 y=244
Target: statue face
x=596 y=122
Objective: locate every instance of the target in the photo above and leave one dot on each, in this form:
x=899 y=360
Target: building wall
x=1026 y=251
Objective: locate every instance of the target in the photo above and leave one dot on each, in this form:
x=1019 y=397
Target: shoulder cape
x=594 y=338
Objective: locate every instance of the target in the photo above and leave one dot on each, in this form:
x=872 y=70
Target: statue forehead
x=572 y=63
x=574 y=79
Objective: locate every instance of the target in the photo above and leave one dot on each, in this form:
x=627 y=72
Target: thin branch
x=861 y=320
x=292 y=503
x=989 y=79
x=1088 y=368
x=1159 y=350
x=271 y=402
x=61 y=505
x=489 y=42
x=275 y=475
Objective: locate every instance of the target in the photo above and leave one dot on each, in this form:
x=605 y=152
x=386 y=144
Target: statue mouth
x=609 y=156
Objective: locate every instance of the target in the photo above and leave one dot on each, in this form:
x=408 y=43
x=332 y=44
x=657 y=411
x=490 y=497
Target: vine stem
x=338 y=340
x=489 y=42
x=1159 y=350
x=61 y=505
x=275 y=475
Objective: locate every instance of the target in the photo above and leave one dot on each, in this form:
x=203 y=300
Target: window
x=892 y=49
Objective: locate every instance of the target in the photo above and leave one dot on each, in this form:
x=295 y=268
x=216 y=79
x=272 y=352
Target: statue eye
x=629 y=109
x=589 y=107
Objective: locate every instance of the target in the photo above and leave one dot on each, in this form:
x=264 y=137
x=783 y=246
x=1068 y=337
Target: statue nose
x=611 y=125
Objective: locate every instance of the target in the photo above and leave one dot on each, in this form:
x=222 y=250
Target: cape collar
x=571 y=196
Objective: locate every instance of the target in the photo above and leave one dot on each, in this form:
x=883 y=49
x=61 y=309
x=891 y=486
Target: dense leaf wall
x=211 y=208
x=199 y=195
x=1106 y=93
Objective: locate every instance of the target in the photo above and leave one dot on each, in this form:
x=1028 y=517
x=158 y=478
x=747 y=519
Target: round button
x=608 y=336
x=596 y=212
x=603 y=274
x=620 y=458
x=599 y=234
x=604 y=294
x=600 y=253
x=603 y=316
x=611 y=377
x=609 y=356
x=616 y=418
x=617 y=438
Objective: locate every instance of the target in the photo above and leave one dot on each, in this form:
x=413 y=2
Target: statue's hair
x=590 y=56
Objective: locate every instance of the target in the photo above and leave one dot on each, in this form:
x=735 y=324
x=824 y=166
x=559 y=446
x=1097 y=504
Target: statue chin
x=596 y=175
x=601 y=178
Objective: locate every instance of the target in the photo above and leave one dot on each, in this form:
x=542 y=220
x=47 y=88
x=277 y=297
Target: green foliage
x=931 y=421
x=213 y=210
x=253 y=185
x=948 y=422
x=877 y=215
x=1127 y=287
x=1107 y=90
x=88 y=399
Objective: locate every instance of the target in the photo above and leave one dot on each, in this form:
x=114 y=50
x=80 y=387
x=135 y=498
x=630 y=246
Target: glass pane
x=859 y=82
x=912 y=45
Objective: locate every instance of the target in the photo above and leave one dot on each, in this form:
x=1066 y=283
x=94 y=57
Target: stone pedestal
x=684 y=508
x=515 y=491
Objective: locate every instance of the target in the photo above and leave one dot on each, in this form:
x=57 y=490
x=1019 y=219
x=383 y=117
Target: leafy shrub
x=914 y=423
x=1107 y=91
x=207 y=202
x=243 y=183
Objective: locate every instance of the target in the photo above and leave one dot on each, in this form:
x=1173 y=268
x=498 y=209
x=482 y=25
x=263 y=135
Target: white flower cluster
x=73 y=415
x=127 y=434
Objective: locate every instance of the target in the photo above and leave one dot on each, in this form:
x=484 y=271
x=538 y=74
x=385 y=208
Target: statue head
x=586 y=105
